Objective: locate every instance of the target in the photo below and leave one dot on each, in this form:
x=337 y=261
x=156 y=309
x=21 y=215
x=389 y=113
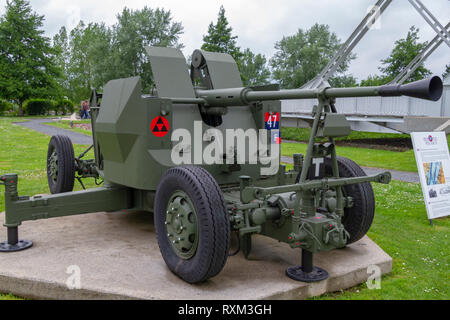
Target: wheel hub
x=53 y=166
x=181 y=225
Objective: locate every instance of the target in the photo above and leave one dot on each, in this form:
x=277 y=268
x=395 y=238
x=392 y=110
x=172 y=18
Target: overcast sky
x=260 y=23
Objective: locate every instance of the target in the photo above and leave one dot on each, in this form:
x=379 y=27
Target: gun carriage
x=325 y=202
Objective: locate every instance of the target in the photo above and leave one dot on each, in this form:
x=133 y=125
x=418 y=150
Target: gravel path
x=38 y=125
x=396 y=175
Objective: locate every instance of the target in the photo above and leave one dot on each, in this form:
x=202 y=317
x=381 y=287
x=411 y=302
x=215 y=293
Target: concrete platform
x=119 y=258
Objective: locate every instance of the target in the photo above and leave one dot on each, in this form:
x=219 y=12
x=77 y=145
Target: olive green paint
x=132 y=159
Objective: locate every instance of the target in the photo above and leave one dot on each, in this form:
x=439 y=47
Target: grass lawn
x=302 y=135
x=24 y=151
x=9 y=297
x=65 y=124
x=402 y=161
x=420 y=252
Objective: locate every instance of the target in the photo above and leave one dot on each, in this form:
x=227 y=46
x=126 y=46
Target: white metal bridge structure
x=376 y=114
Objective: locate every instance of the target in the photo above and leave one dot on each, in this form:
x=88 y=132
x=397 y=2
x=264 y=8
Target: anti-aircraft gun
x=150 y=151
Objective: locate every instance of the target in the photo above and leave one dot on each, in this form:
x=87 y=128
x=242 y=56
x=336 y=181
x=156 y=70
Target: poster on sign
x=433 y=163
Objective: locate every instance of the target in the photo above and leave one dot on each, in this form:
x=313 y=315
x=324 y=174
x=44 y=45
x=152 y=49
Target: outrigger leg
x=13 y=244
x=20 y=209
x=307 y=272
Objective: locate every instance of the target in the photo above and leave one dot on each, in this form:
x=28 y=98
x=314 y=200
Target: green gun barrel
x=428 y=89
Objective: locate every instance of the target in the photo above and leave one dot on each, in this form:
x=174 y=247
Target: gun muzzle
x=428 y=89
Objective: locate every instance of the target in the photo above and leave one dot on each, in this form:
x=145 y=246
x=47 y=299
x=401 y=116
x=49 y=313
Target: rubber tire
x=66 y=164
x=212 y=218
x=358 y=219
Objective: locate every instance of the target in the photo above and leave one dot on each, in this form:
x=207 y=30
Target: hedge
x=65 y=106
x=5 y=106
x=34 y=107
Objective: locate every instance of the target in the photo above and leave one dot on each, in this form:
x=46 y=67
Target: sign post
x=433 y=163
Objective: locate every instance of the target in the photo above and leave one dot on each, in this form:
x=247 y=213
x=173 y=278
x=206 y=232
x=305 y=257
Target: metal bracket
x=419 y=59
x=349 y=45
x=257 y=193
x=432 y=21
x=443 y=35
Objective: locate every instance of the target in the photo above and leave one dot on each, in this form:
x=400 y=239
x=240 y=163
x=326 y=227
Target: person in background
x=85 y=110
x=81 y=109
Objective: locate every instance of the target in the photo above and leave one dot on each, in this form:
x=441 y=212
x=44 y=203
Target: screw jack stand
x=307 y=272
x=14 y=244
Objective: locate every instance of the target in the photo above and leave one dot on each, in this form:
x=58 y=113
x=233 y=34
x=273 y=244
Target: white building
x=376 y=114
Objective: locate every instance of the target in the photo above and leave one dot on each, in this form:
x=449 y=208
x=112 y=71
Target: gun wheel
x=358 y=219
x=192 y=223
x=60 y=165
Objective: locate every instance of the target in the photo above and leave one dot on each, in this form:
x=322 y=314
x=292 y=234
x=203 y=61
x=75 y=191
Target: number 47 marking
x=272 y=120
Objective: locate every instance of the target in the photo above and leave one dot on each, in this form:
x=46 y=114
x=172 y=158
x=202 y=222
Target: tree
x=404 y=52
x=301 y=57
x=253 y=67
x=93 y=54
x=62 y=59
x=137 y=29
x=344 y=81
x=220 y=38
x=447 y=71
x=254 y=71
x=86 y=44
x=27 y=60
x=374 y=81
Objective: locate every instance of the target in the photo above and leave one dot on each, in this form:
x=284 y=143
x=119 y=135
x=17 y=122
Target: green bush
x=35 y=107
x=5 y=106
x=65 y=106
